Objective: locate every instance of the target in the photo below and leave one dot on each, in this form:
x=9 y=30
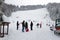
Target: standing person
x=26 y=27
x=31 y=25
x=17 y=25
x=37 y=25
x=23 y=25
x=40 y=24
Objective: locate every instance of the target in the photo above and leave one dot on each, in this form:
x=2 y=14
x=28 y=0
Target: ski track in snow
x=36 y=16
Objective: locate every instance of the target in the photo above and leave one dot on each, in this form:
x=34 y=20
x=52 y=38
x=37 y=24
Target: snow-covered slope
x=37 y=16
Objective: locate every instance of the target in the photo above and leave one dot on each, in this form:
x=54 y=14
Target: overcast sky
x=30 y=2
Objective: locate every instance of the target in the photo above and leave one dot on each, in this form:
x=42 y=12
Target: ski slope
x=37 y=16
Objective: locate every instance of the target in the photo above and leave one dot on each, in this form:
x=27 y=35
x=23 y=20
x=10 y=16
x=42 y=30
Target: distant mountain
x=9 y=8
x=31 y=7
x=53 y=9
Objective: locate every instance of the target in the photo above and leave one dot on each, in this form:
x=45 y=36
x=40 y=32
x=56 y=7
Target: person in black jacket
x=23 y=25
x=37 y=25
x=26 y=25
x=31 y=25
x=17 y=25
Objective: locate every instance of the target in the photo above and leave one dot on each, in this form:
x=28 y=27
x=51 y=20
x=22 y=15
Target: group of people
x=25 y=26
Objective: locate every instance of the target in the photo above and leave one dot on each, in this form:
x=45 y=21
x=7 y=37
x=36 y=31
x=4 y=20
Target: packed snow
x=37 y=16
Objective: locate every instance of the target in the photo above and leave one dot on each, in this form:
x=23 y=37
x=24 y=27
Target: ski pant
x=31 y=28
x=23 y=29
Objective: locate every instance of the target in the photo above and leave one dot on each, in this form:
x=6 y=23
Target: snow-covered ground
x=37 y=16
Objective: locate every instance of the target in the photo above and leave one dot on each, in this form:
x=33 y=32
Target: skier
x=31 y=25
x=23 y=25
x=17 y=25
x=37 y=25
x=26 y=27
x=40 y=24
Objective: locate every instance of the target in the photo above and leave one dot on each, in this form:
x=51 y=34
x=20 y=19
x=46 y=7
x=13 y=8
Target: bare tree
x=54 y=10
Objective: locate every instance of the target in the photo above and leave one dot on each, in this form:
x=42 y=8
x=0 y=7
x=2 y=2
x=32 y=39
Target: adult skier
x=31 y=25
